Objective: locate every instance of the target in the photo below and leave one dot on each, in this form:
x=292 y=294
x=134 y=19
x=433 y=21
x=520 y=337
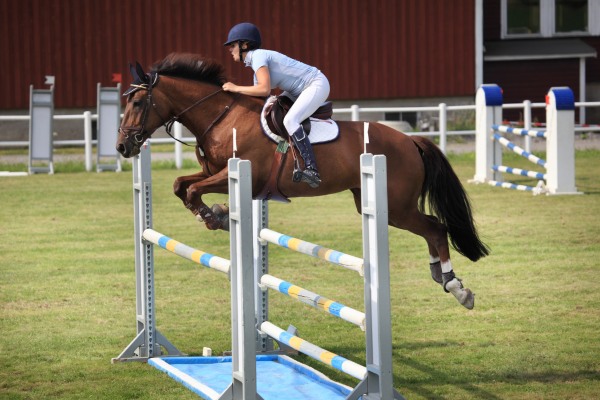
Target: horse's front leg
x=213 y=218
x=183 y=183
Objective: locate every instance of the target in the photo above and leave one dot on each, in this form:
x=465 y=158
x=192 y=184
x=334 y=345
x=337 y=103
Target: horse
x=187 y=88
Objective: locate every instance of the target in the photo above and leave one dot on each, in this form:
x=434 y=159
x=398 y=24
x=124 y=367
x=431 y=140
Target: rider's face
x=234 y=49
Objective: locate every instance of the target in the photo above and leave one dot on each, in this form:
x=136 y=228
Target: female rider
x=304 y=84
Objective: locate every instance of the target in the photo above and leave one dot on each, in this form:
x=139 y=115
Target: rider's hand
x=229 y=87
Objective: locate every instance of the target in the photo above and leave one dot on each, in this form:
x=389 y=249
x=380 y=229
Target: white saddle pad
x=321 y=131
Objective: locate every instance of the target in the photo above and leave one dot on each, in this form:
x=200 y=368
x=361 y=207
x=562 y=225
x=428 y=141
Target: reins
x=169 y=124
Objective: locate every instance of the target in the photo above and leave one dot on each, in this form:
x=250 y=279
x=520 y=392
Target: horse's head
x=140 y=118
x=148 y=106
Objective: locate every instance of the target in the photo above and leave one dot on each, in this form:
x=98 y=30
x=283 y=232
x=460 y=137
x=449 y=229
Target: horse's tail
x=447 y=199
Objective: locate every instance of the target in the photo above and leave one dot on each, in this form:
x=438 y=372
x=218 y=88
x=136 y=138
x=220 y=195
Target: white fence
x=355 y=112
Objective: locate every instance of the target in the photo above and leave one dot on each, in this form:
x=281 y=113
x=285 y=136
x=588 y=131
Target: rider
x=304 y=84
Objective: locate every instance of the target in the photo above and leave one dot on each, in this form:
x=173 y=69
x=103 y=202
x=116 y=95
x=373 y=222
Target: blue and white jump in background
x=559 y=174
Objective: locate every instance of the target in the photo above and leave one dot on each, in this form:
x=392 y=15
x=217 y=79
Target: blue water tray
x=277 y=377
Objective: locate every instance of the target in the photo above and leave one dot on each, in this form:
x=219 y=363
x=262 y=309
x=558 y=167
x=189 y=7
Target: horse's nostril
x=121 y=149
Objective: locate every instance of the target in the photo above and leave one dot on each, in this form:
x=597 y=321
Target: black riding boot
x=310 y=174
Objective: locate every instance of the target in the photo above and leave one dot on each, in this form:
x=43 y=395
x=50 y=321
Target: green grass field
x=67 y=290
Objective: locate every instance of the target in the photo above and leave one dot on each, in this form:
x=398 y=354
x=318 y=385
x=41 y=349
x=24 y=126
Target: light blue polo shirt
x=286 y=73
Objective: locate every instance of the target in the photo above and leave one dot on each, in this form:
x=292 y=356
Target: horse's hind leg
x=436 y=236
x=434 y=258
x=439 y=253
x=435 y=266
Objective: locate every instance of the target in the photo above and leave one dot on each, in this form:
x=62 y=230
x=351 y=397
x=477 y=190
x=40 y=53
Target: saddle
x=274 y=115
x=278 y=109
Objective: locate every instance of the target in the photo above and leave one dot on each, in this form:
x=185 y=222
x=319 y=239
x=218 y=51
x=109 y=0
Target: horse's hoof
x=212 y=224
x=211 y=221
x=225 y=224
x=468 y=300
x=463 y=295
x=436 y=272
x=221 y=212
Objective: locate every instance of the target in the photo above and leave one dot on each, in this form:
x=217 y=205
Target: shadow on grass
x=551 y=377
x=419 y=386
x=437 y=376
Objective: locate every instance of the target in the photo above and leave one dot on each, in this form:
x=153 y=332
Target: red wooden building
x=377 y=49
x=410 y=51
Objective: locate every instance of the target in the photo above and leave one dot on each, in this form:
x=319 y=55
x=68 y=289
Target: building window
x=571 y=16
x=548 y=18
x=523 y=17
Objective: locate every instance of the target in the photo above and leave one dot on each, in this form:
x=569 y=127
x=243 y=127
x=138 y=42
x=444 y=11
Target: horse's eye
x=137 y=103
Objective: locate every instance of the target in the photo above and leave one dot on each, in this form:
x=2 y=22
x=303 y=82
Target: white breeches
x=311 y=98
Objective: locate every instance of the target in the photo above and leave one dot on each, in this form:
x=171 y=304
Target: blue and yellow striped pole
x=313 y=351
x=314 y=250
x=182 y=250
x=314 y=300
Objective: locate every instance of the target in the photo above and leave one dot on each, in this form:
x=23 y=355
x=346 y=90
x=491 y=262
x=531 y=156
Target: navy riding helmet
x=244 y=32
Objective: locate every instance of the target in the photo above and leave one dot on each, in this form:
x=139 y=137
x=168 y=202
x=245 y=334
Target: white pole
x=366 y=136
x=234 y=142
x=527 y=123
x=87 y=136
x=355 y=112
x=443 y=126
x=478 y=43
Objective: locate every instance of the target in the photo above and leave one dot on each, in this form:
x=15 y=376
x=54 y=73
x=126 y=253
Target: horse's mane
x=191 y=66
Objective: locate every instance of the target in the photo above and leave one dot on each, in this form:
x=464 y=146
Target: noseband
x=138 y=133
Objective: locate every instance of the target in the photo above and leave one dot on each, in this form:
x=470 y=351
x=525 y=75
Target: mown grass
x=67 y=290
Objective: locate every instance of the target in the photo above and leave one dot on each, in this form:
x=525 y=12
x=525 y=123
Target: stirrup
x=309 y=176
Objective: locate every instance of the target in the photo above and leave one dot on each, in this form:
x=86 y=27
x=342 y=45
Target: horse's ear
x=141 y=74
x=133 y=73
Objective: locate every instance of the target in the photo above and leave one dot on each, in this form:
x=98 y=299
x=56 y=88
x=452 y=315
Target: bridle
x=137 y=133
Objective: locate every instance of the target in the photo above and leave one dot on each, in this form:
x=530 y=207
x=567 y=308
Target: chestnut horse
x=187 y=88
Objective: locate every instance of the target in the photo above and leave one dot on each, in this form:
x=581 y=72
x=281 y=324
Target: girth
x=271 y=189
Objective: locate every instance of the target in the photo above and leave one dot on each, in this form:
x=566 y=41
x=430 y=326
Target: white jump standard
x=247 y=375
x=149 y=342
x=377 y=379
